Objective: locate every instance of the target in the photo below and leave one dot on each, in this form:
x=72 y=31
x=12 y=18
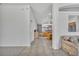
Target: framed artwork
x=72 y=23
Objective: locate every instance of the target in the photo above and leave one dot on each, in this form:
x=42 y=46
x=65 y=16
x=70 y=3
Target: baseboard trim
x=17 y=45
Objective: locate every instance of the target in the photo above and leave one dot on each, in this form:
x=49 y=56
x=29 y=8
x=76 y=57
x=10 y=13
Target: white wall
x=33 y=26
x=62 y=23
x=14 y=25
x=59 y=25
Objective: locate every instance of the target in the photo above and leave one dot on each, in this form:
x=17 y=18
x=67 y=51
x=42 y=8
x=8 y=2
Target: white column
x=56 y=36
x=27 y=24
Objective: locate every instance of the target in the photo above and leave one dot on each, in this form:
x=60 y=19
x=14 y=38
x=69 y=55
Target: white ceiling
x=41 y=11
x=72 y=7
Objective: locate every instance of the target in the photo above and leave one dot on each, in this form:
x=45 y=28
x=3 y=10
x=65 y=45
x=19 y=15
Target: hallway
x=40 y=47
x=21 y=22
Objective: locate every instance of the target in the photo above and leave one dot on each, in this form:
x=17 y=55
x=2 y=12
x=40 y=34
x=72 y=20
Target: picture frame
x=72 y=23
